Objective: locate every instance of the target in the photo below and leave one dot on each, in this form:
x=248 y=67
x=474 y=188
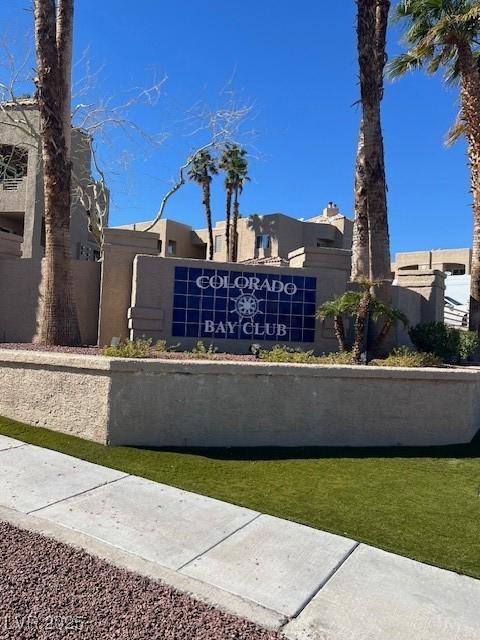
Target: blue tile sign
x=241 y=305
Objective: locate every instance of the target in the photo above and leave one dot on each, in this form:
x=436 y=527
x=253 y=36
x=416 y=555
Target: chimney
x=331 y=210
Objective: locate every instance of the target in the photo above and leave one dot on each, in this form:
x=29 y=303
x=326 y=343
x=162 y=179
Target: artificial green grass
x=421 y=503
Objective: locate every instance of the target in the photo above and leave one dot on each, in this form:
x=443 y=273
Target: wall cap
x=158 y=366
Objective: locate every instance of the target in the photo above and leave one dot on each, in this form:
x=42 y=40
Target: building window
x=263 y=242
x=218 y=244
x=13 y=166
x=160 y=245
x=172 y=248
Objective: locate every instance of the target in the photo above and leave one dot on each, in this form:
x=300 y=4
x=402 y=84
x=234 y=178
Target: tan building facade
x=260 y=237
x=21 y=184
x=455 y=262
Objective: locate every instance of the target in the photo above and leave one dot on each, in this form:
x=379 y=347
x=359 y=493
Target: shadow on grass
x=471 y=450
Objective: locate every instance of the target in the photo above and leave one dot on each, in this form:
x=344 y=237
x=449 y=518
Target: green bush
x=406 y=357
x=201 y=351
x=288 y=354
x=469 y=343
x=338 y=357
x=130 y=349
x=448 y=343
x=437 y=338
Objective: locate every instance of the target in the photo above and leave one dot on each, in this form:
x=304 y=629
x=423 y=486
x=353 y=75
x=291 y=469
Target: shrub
x=161 y=346
x=406 y=357
x=139 y=348
x=469 y=343
x=201 y=351
x=288 y=354
x=437 y=338
x=338 y=357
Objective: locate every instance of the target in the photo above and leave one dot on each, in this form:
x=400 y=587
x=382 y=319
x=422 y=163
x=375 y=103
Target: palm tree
x=370 y=187
x=224 y=165
x=202 y=168
x=390 y=316
x=361 y=236
x=344 y=305
x=57 y=317
x=234 y=163
x=444 y=34
x=361 y=305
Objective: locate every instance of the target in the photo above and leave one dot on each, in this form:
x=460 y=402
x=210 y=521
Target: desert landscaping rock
x=51 y=591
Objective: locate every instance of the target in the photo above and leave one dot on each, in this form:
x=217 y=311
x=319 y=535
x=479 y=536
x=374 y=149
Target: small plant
x=161 y=346
x=201 y=351
x=286 y=354
x=339 y=357
x=139 y=348
x=297 y=356
x=469 y=343
x=407 y=357
x=437 y=338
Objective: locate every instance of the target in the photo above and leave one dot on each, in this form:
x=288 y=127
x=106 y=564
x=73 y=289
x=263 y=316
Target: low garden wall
x=227 y=404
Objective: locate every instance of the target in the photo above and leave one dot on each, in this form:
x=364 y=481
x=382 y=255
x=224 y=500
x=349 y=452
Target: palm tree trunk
x=470 y=97
x=382 y=334
x=57 y=316
x=339 y=330
x=227 y=222
x=361 y=238
x=361 y=323
x=208 y=214
x=235 y=225
x=372 y=25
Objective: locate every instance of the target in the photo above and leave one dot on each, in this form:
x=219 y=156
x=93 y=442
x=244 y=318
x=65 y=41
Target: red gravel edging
x=97 y=351
x=51 y=591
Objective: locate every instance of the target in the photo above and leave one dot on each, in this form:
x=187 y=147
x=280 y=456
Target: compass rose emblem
x=246 y=305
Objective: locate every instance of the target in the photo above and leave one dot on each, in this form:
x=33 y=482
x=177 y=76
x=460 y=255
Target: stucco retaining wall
x=198 y=403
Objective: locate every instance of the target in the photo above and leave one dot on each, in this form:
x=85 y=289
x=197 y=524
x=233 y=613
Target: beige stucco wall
x=10 y=244
x=20 y=281
x=429 y=286
x=66 y=394
x=224 y=404
x=120 y=248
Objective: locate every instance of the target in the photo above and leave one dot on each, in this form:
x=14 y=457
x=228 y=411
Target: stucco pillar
x=119 y=251
x=430 y=285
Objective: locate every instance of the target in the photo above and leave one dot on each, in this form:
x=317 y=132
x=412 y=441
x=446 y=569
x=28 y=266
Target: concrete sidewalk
x=311 y=584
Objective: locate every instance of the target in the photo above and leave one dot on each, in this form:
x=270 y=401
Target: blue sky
x=296 y=63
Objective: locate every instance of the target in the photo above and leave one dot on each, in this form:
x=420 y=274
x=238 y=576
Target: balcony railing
x=11 y=184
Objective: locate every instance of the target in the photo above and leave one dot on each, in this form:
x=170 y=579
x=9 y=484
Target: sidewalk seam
x=232 y=533
x=327 y=579
x=17 y=446
x=75 y=495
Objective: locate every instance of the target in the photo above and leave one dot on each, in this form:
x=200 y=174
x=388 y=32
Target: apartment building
x=21 y=185
x=263 y=239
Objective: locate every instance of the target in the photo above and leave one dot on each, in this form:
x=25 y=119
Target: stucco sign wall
x=243 y=305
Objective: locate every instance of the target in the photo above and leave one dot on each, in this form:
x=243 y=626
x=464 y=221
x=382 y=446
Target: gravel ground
x=50 y=590
x=97 y=351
